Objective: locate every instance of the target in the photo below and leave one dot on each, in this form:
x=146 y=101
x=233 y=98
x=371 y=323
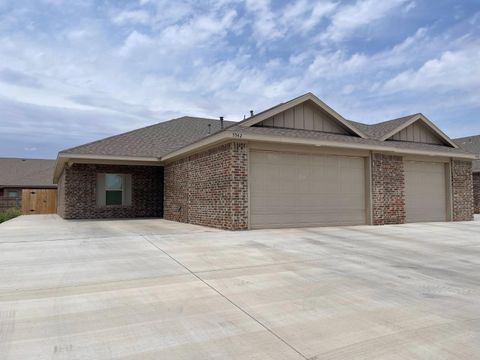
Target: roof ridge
x=396 y=119
x=23 y=158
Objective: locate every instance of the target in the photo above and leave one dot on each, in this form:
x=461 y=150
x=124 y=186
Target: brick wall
x=77 y=192
x=462 y=188
x=388 y=189
x=61 y=195
x=476 y=192
x=209 y=188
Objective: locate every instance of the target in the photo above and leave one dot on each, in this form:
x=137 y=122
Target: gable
x=305 y=116
x=418 y=132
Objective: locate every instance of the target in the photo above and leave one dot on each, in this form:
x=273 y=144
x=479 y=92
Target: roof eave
x=64 y=158
x=236 y=136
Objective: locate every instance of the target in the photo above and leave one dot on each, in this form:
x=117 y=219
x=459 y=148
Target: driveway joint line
x=227 y=299
x=261 y=265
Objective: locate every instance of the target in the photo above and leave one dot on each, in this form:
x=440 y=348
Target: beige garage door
x=426 y=191
x=289 y=190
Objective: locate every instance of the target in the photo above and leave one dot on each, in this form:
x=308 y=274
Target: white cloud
x=198 y=31
x=131 y=17
x=135 y=41
x=349 y=18
x=452 y=71
x=410 y=6
x=264 y=24
x=302 y=15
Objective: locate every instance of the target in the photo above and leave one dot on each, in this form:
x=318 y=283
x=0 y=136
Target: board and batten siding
x=305 y=116
x=417 y=132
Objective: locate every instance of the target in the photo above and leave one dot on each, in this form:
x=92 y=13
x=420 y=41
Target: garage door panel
x=310 y=219
x=425 y=191
x=305 y=190
x=306 y=203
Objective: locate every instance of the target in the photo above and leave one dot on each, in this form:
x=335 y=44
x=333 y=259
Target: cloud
x=350 y=18
x=19 y=78
x=451 y=71
x=88 y=70
x=264 y=21
x=131 y=17
x=302 y=16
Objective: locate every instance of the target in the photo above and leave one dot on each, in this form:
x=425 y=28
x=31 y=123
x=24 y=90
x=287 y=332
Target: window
x=114 y=185
x=12 y=194
x=114 y=190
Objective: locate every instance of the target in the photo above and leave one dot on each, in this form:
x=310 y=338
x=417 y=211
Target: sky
x=74 y=71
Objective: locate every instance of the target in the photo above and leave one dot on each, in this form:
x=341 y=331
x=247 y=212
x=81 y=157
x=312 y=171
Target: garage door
x=289 y=190
x=426 y=191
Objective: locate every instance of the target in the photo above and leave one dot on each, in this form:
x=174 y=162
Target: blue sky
x=72 y=71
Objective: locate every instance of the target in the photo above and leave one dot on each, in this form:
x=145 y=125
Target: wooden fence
x=39 y=201
x=10 y=202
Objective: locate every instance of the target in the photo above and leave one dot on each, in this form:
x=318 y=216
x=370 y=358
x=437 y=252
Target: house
x=299 y=163
x=472 y=144
x=17 y=174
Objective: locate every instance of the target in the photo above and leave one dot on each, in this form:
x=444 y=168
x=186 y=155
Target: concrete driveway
x=153 y=289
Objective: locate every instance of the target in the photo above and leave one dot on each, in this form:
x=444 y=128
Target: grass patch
x=9 y=214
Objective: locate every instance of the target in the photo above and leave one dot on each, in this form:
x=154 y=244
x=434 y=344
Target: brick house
x=472 y=144
x=299 y=163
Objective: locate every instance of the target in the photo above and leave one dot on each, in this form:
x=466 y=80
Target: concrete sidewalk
x=154 y=289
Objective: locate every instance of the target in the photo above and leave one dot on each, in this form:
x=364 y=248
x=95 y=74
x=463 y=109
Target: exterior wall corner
x=209 y=188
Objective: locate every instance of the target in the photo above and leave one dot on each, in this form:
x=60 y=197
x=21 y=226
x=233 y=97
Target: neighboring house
x=299 y=163
x=472 y=144
x=18 y=174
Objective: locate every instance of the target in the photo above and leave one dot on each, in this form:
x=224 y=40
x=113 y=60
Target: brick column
x=239 y=197
x=388 y=189
x=462 y=189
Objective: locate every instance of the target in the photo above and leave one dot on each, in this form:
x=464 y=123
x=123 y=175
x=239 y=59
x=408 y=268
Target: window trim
x=101 y=190
x=121 y=189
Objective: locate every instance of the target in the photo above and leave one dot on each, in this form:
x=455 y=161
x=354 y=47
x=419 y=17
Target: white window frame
x=102 y=190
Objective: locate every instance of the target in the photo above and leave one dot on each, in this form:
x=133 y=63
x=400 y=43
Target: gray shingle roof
x=152 y=141
x=15 y=172
x=161 y=139
x=379 y=130
x=307 y=134
x=472 y=145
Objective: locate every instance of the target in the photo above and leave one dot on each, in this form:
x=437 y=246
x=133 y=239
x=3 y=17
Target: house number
x=237 y=135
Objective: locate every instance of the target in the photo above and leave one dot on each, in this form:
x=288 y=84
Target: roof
x=471 y=144
x=152 y=141
x=379 y=130
x=17 y=172
x=174 y=138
